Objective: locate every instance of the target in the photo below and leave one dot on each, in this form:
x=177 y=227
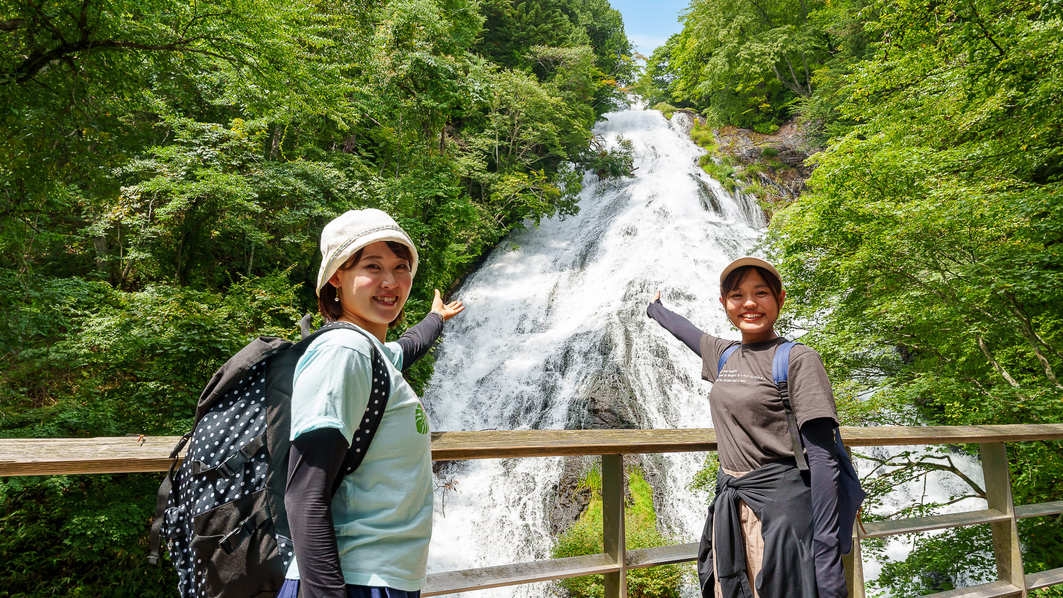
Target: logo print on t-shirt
x=422 y=420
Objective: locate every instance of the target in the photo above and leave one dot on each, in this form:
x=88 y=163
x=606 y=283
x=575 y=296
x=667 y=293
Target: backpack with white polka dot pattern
x=221 y=510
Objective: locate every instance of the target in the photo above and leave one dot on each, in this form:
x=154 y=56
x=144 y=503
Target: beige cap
x=748 y=261
x=354 y=229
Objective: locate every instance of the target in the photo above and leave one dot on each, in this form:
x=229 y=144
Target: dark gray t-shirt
x=750 y=422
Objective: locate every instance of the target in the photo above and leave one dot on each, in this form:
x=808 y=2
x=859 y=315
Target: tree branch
x=985 y=32
x=39 y=60
x=996 y=365
x=1034 y=339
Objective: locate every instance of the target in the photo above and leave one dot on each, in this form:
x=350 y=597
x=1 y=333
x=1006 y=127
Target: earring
x=337 y=299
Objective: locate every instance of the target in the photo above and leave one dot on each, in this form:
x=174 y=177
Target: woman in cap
x=369 y=537
x=775 y=532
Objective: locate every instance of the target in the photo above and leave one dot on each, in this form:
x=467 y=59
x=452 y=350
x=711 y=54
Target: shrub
x=585 y=537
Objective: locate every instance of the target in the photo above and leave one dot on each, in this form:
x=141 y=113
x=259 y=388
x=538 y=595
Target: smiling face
x=374 y=289
x=752 y=305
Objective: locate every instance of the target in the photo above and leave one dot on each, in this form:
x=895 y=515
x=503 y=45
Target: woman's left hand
x=446 y=310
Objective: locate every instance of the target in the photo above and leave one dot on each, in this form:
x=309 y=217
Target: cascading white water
x=557 y=311
x=556 y=316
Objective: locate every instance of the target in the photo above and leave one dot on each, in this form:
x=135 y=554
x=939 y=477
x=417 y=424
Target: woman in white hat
x=772 y=531
x=369 y=537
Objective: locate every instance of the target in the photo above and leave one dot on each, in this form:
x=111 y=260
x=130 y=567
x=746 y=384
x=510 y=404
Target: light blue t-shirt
x=383 y=511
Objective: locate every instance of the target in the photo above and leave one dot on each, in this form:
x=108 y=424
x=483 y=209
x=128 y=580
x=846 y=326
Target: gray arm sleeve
x=680 y=327
x=818 y=438
x=419 y=338
x=313 y=465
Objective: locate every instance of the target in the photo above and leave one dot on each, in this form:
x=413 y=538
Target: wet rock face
x=788 y=144
x=569 y=498
x=608 y=403
x=778 y=160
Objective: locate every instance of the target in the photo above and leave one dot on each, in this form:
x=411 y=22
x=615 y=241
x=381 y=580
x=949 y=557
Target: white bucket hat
x=354 y=229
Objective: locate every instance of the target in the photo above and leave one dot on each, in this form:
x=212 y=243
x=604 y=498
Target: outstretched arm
x=419 y=338
x=680 y=327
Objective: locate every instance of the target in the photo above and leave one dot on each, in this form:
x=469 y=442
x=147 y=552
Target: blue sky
x=649 y=23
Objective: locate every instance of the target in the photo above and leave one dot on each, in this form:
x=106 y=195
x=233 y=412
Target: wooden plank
x=878 y=529
x=853 y=565
x=53 y=456
x=125 y=454
x=996 y=589
x=493 y=444
x=662 y=555
x=548 y=443
x=1044 y=509
x=919 y=435
x=519 y=573
x=152 y=454
x=1043 y=579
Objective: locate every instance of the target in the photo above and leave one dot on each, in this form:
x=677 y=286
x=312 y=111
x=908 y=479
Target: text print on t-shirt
x=735 y=377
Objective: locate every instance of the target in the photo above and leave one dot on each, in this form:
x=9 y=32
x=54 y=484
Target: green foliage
x=936 y=561
x=610 y=162
x=640 y=519
x=927 y=251
x=705 y=479
x=666 y=109
x=713 y=162
x=524 y=35
x=748 y=61
x=132 y=363
x=95 y=522
x=656 y=83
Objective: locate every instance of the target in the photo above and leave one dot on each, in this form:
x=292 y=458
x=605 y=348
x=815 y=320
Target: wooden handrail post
x=854 y=569
x=613 y=540
x=1005 y=533
x=853 y=563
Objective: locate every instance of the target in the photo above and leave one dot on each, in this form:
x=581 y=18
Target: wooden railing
x=148 y=454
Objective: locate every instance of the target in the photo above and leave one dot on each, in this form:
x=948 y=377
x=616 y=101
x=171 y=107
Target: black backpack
x=222 y=510
x=850 y=493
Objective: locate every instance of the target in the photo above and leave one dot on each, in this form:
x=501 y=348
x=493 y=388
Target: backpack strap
x=155 y=533
x=374 y=409
x=850 y=494
x=780 y=366
x=723 y=357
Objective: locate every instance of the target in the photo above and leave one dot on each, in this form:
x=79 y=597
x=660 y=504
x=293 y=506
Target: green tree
x=746 y=61
x=656 y=82
x=82 y=83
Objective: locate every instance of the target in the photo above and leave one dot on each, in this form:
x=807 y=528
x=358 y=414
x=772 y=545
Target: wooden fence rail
x=131 y=454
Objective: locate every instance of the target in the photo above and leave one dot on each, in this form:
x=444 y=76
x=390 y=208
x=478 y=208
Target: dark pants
x=290 y=589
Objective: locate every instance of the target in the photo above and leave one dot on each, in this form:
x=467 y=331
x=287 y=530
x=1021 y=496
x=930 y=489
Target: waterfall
x=555 y=336
x=556 y=318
